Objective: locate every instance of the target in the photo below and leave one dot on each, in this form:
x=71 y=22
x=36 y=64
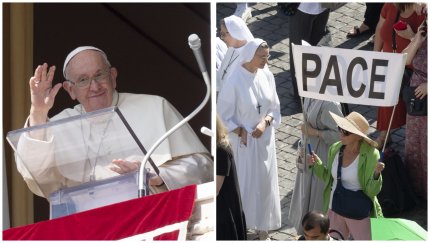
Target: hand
x=312 y=159
x=259 y=129
x=307 y=130
x=421 y=91
x=408 y=33
x=123 y=166
x=42 y=93
x=379 y=168
x=420 y=8
x=303 y=128
x=419 y=38
x=155 y=181
x=243 y=136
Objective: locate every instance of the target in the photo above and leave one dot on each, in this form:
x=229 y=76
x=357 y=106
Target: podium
x=68 y=161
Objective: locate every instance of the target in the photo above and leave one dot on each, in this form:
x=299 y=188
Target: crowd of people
x=344 y=159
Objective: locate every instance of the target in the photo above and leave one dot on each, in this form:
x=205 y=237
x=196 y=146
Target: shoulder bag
x=347 y=203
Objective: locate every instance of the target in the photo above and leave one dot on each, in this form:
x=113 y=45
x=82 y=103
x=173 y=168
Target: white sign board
x=349 y=76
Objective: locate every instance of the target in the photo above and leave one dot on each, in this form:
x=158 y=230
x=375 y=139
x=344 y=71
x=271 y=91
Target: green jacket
x=369 y=156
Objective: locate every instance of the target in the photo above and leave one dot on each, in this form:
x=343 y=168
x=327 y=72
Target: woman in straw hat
x=360 y=170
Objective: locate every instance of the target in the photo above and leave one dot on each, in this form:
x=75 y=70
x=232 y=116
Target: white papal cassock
x=181 y=158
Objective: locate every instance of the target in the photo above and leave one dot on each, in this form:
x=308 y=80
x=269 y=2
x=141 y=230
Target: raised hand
x=380 y=166
x=312 y=159
x=42 y=93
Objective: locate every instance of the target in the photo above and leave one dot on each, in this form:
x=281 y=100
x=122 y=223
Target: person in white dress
x=250 y=109
x=235 y=33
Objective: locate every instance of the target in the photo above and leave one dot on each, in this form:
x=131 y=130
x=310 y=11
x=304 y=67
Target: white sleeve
x=35 y=161
x=275 y=107
x=187 y=170
x=226 y=106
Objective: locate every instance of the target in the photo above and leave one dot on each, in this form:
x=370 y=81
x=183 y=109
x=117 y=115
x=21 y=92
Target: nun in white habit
x=235 y=33
x=249 y=107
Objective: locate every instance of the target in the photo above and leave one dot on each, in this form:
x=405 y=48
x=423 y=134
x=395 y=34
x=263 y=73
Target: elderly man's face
x=98 y=93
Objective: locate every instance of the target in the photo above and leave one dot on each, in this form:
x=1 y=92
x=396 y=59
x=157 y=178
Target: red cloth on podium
x=114 y=222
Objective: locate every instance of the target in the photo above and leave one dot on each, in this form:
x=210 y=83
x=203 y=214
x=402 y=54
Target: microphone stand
x=144 y=189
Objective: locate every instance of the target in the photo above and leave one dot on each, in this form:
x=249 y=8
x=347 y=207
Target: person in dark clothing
x=230 y=218
x=308 y=24
x=371 y=18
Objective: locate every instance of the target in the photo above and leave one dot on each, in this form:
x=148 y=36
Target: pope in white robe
x=44 y=162
x=249 y=107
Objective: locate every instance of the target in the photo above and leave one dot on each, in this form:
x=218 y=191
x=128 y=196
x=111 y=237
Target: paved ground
x=270 y=24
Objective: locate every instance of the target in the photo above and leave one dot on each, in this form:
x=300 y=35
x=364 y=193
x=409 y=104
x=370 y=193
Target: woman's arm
x=219 y=182
x=377 y=46
x=415 y=44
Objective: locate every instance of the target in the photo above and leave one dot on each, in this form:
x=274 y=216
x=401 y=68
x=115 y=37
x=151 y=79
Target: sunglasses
x=344 y=132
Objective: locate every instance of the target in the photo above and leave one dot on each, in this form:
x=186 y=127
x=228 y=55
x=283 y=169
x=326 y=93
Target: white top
x=349 y=176
x=311 y=8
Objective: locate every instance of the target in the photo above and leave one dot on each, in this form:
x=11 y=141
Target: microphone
x=195 y=44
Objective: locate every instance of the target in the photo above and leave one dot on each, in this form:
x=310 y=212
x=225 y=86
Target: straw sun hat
x=354 y=123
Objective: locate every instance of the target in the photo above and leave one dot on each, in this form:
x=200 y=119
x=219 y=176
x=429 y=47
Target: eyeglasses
x=344 y=132
x=223 y=34
x=100 y=78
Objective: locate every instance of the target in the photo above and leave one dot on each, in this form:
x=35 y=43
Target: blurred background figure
x=308 y=23
x=243 y=11
x=387 y=41
x=416 y=126
x=368 y=26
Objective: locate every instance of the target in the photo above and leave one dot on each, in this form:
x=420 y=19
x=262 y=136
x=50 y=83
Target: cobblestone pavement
x=270 y=24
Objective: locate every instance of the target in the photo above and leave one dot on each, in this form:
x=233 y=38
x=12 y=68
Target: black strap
x=339 y=166
x=337 y=232
x=394 y=45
